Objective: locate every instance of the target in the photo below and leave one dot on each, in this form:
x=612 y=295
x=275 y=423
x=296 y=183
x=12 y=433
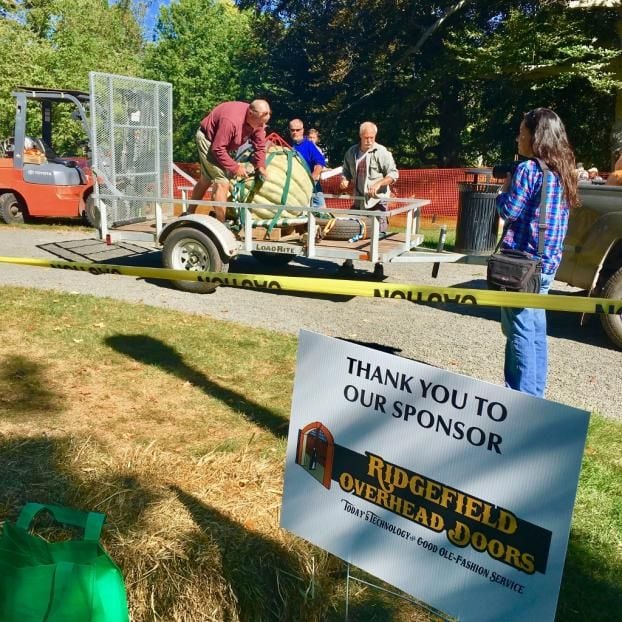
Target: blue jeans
x=526 y=355
x=317 y=199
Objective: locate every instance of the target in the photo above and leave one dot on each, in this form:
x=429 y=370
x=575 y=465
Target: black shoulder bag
x=512 y=270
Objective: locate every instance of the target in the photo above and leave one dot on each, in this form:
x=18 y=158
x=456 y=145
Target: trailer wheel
x=190 y=249
x=613 y=323
x=10 y=209
x=92 y=213
x=273 y=260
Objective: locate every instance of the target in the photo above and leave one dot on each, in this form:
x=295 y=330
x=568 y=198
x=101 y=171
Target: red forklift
x=34 y=181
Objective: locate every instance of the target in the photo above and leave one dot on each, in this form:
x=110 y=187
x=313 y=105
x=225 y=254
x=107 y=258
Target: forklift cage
x=46 y=97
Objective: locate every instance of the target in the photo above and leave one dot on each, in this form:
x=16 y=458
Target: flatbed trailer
x=202 y=243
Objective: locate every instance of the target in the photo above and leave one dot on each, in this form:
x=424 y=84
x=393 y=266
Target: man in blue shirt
x=312 y=156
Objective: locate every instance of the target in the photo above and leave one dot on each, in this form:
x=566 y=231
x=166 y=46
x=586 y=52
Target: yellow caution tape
x=414 y=293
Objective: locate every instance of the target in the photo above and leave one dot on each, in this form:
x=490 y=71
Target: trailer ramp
x=132 y=136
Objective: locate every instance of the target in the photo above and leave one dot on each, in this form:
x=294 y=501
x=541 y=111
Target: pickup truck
x=592 y=258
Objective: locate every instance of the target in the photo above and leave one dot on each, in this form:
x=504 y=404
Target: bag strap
x=546 y=172
x=90 y=522
x=542 y=217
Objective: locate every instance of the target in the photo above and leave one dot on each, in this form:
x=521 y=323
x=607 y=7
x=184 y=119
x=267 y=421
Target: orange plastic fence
x=439 y=186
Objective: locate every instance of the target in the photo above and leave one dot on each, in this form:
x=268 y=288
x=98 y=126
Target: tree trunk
x=616 y=130
x=452 y=123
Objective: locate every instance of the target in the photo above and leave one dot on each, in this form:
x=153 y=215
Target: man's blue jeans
x=526 y=354
x=317 y=200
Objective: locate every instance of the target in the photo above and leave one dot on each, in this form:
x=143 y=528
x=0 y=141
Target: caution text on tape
x=411 y=292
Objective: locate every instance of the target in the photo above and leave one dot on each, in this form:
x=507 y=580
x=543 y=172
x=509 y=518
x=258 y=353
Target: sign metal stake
x=413 y=601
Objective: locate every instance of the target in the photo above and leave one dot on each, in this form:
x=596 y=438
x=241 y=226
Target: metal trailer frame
x=394 y=248
x=373 y=249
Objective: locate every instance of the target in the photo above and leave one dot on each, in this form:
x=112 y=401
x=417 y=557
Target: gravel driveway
x=584 y=369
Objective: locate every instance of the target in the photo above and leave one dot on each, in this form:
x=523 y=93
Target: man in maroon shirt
x=221 y=132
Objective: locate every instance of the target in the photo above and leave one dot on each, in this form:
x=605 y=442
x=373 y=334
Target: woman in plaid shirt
x=542 y=135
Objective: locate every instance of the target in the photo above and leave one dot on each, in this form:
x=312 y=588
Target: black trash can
x=478 y=222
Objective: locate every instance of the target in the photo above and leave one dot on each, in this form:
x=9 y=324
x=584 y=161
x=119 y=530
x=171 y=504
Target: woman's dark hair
x=550 y=143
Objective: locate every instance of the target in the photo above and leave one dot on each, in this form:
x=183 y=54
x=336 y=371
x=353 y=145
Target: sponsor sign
x=457 y=491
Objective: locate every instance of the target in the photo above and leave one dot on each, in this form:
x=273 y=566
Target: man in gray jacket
x=371 y=168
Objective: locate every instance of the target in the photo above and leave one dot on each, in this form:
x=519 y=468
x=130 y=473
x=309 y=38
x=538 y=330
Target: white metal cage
x=132 y=136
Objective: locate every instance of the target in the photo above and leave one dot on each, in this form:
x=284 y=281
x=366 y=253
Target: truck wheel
x=190 y=249
x=613 y=323
x=10 y=209
x=273 y=260
x=92 y=213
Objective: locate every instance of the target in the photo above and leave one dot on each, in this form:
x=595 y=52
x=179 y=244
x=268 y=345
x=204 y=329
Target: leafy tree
x=446 y=81
x=210 y=53
x=346 y=62
x=541 y=55
x=55 y=43
x=23 y=58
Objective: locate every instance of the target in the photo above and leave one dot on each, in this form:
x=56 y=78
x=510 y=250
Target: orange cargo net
x=438 y=185
x=276 y=139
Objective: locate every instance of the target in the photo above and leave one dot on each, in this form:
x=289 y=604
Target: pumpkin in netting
x=289 y=183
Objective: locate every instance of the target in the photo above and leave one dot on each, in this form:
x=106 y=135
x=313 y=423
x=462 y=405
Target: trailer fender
x=226 y=242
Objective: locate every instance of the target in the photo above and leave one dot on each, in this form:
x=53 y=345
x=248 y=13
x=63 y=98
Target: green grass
x=53 y=224
x=431 y=233
x=175 y=426
x=594 y=563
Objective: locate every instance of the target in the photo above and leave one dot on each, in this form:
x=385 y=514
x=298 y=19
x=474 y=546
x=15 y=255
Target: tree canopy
x=446 y=81
x=55 y=43
x=210 y=52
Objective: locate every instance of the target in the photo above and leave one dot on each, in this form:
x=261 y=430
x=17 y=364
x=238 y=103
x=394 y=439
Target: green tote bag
x=71 y=581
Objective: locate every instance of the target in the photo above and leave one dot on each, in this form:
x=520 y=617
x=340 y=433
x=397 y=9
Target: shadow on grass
x=23 y=388
x=269 y=585
x=154 y=352
x=44 y=470
x=268 y=581
x=586 y=592
x=265 y=578
x=60 y=471
x=29 y=471
x=379 y=604
x=164 y=564
x=375 y=607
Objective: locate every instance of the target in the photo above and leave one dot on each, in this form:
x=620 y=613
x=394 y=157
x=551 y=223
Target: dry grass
x=175 y=427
